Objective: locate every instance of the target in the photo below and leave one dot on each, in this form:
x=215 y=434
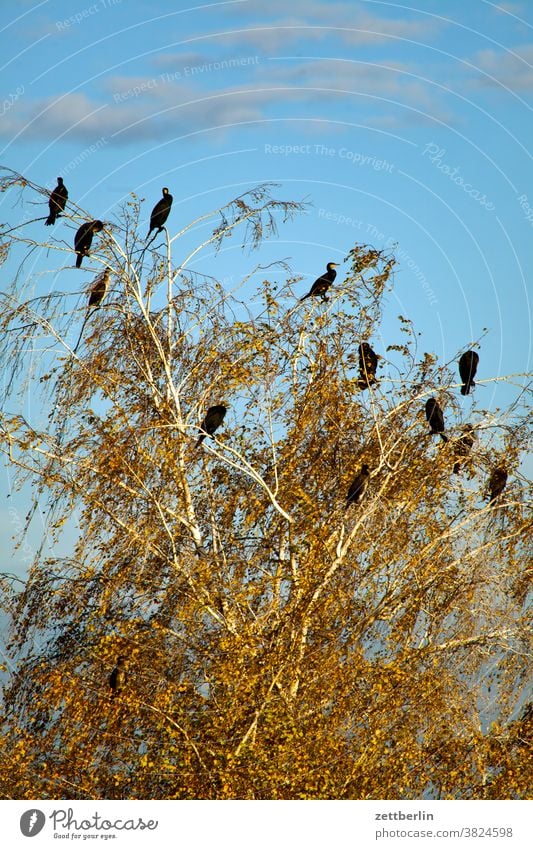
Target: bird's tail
x=305 y=296
x=85 y=320
x=366 y=381
x=466 y=387
x=78 y=260
x=50 y=220
x=456 y=468
x=493 y=498
x=157 y=230
x=200 y=440
x=443 y=437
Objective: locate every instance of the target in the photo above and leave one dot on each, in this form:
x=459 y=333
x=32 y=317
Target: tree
x=278 y=645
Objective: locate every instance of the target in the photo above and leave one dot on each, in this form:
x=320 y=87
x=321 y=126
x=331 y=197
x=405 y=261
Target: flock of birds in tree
x=368 y=359
x=84 y=235
x=368 y=363
x=468 y=364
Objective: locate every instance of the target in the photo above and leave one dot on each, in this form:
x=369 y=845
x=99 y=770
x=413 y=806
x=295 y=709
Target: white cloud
x=512 y=68
x=75 y=117
x=315 y=21
x=173 y=103
x=396 y=80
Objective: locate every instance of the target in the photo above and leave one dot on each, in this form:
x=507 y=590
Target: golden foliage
x=278 y=644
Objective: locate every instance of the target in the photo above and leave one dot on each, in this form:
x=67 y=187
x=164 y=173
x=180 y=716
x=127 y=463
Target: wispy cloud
x=313 y=20
x=197 y=93
x=395 y=80
x=512 y=68
x=75 y=117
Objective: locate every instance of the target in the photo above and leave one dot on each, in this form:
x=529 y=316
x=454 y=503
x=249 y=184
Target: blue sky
x=401 y=123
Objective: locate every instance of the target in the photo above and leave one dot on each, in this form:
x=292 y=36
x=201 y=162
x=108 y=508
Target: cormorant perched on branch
x=358 y=486
x=212 y=420
x=160 y=212
x=117 y=679
x=368 y=363
x=57 y=202
x=322 y=284
x=497 y=483
x=97 y=294
x=435 y=418
x=463 y=445
x=84 y=237
x=99 y=288
x=467 y=369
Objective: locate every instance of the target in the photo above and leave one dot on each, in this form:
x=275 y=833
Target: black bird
x=358 y=486
x=435 y=418
x=497 y=483
x=97 y=293
x=99 y=288
x=57 y=202
x=160 y=212
x=212 y=420
x=84 y=237
x=463 y=445
x=467 y=369
x=368 y=363
x=322 y=284
x=117 y=679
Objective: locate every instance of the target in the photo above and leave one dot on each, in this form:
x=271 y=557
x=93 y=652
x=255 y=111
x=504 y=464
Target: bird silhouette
x=468 y=364
x=368 y=363
x=497 y=484
x=57 y=202
x=83 y=239
x=358 y=486
x=322 y=284
x=463 y=445
x=160 y=212
x=117 y=679
x=99 y=288
x=212 y=420
x=97 y=294
x=435 y=418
